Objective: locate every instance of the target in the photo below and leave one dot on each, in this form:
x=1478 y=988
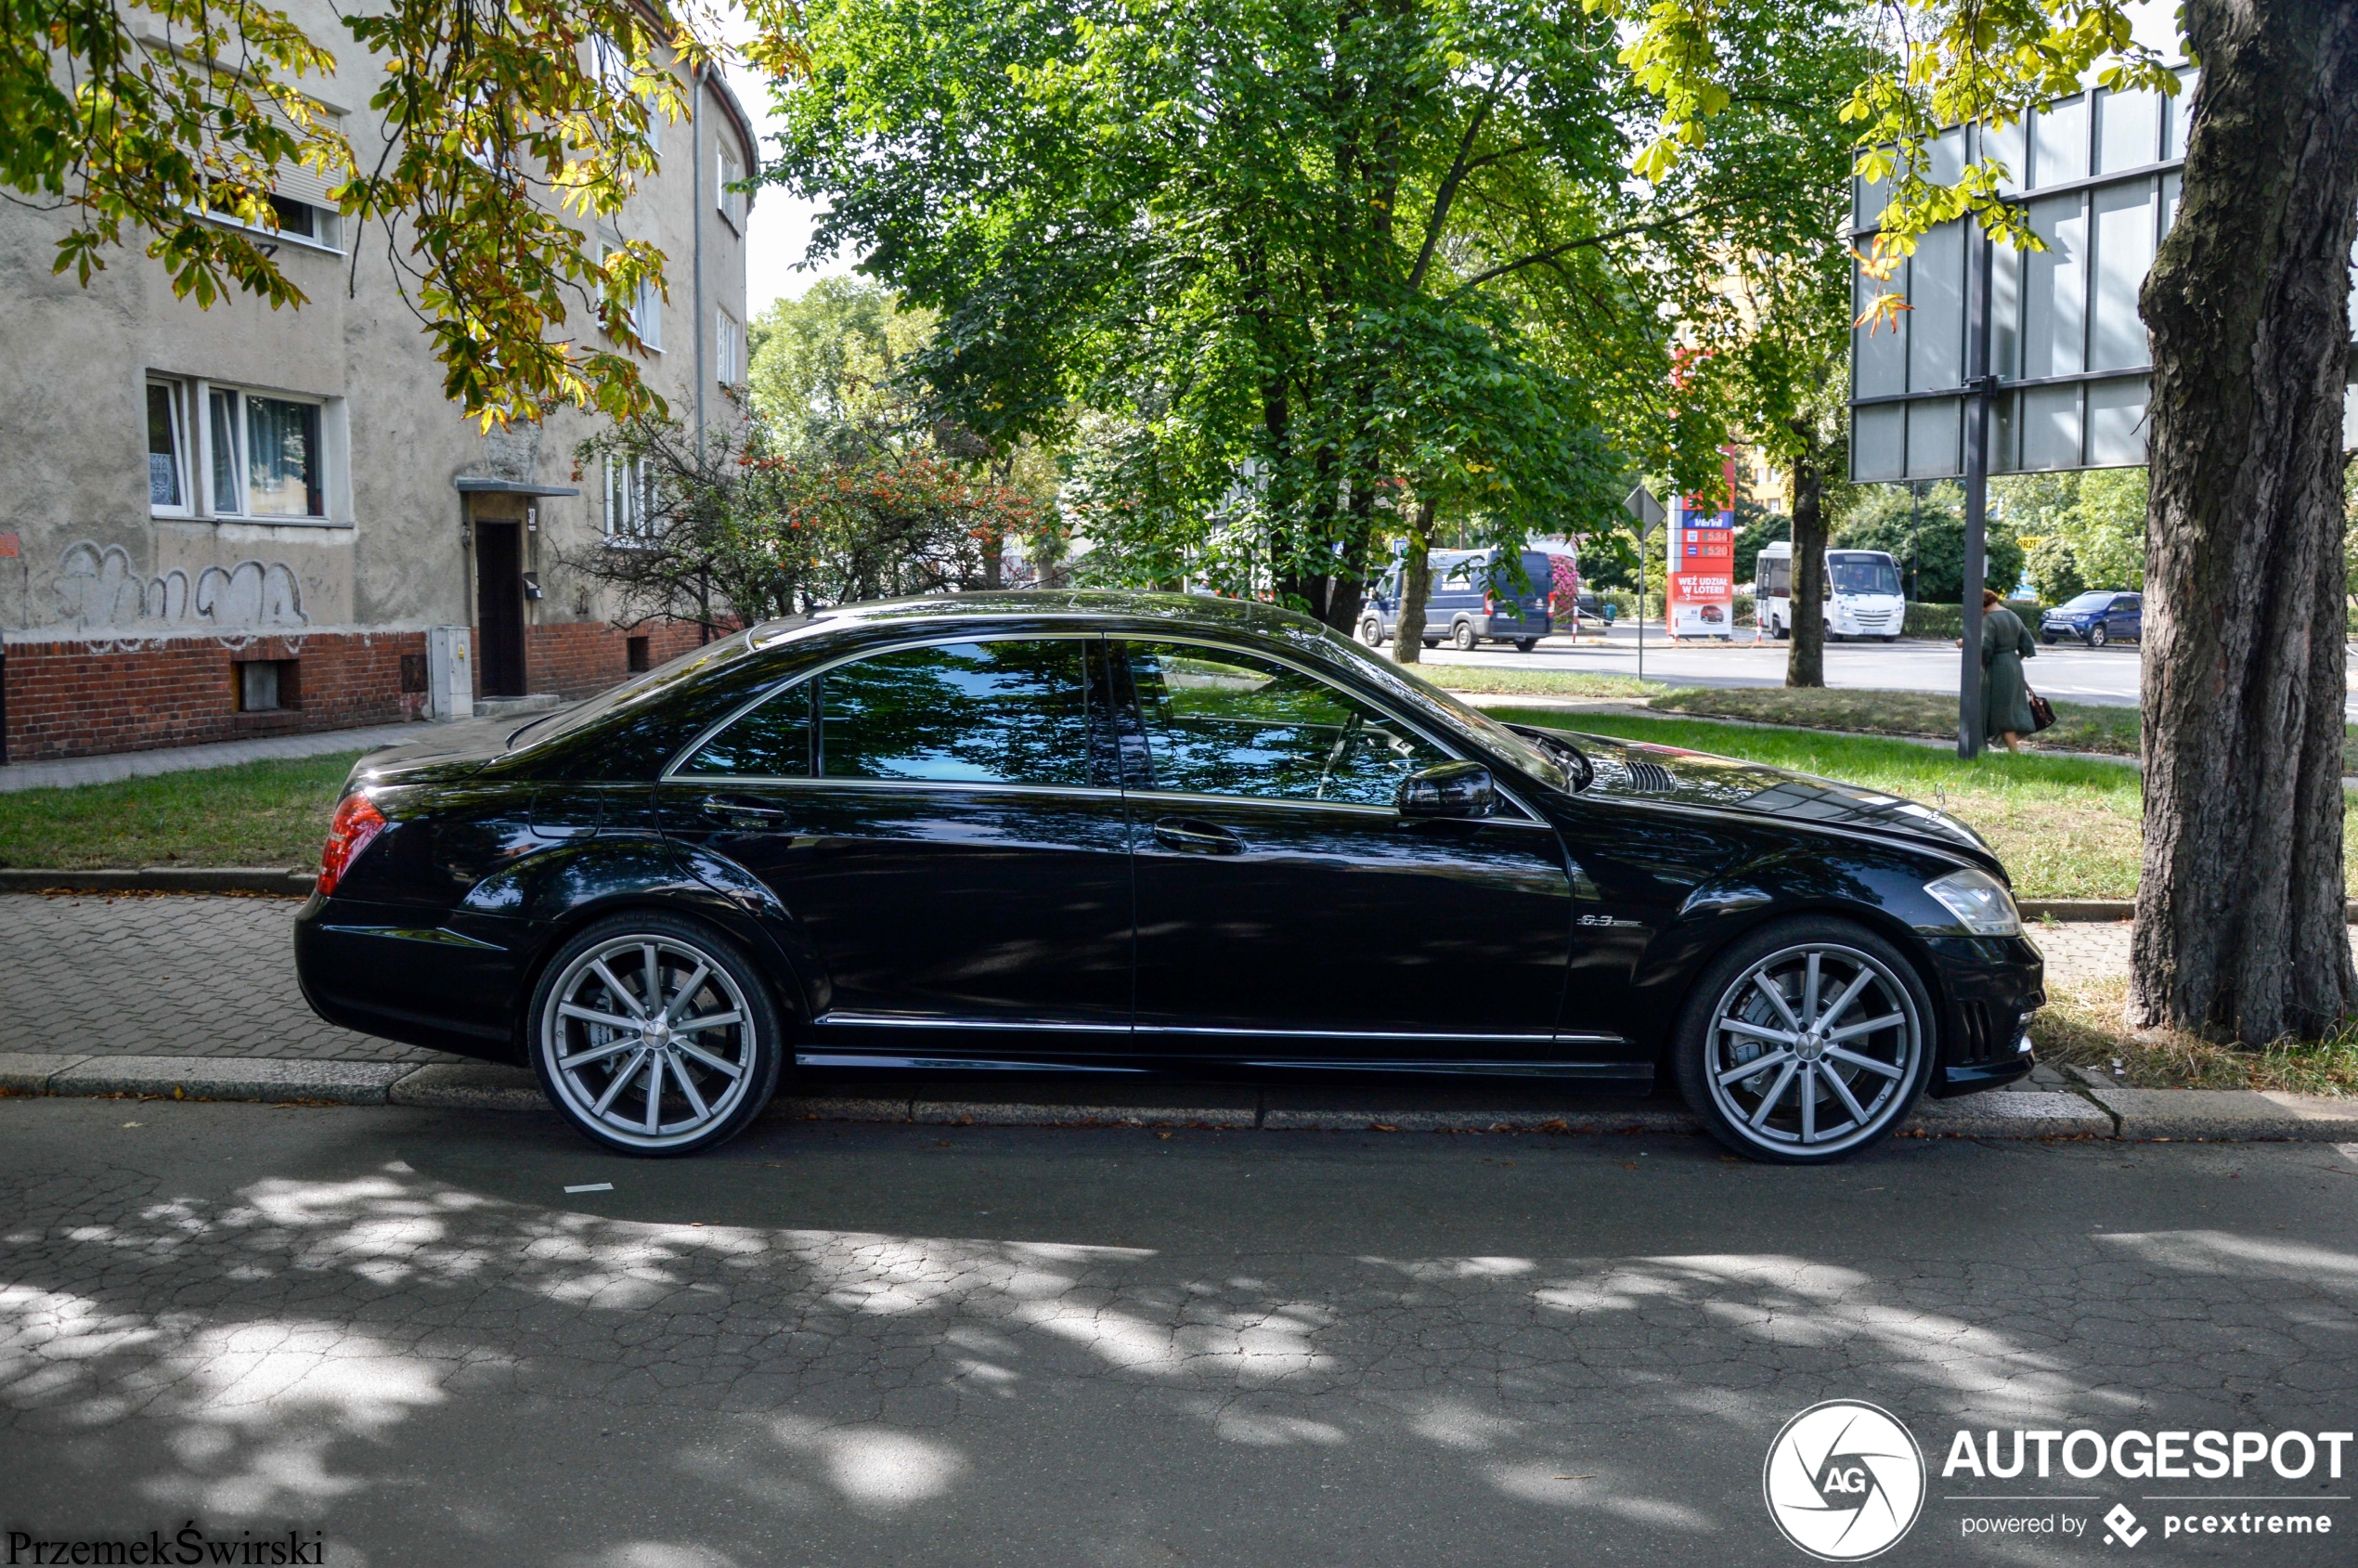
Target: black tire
x=696 y=1103
x=1524 y=644
x=1429 y=642
x=1893 y=638
x=1725 y=992
x=1781 y=632
x=2047 y=638
x=1464 y=637
x=2098 y=636
x=1371 y=632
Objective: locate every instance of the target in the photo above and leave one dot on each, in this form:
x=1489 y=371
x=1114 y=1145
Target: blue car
x=2096 y=617
x=1478 y=596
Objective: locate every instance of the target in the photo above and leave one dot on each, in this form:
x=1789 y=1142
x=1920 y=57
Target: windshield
x=1522 y=753
x=2090 y=601
x=1863 y=574
x=664 y=677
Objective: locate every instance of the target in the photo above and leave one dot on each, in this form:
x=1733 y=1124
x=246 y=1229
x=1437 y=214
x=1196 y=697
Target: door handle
x=737 y=809
x=1202 y=838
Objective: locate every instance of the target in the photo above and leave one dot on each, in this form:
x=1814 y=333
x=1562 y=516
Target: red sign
x=8 y=546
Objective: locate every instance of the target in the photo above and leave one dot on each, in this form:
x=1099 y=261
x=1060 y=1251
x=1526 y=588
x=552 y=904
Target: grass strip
x=1533 y=683
x=272 y=812
x=2082 y=1026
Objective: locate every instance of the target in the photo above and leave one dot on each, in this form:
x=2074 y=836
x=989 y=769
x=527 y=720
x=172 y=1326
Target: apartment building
x=223 y=523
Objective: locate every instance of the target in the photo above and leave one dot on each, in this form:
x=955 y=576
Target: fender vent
x=1651 y=777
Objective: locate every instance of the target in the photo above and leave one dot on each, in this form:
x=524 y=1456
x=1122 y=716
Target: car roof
x=947 y=611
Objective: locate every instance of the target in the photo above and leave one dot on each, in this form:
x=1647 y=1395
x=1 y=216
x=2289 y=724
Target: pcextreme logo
x=1843 y=1480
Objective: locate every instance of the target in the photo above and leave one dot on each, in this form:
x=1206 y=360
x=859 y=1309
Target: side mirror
x=1454 y=789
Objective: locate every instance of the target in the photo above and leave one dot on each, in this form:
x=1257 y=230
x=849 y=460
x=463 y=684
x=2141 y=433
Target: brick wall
x=81 y=699
x=576 y=658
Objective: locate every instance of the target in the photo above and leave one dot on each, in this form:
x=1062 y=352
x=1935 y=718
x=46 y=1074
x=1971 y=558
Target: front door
x=500 y=608
x=944 y=826
x=1288 y=912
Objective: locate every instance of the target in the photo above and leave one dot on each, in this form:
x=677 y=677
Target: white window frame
x=182 y=446
x=727 y=171
x=629 y=511
x=729 y=347
x=240 y=456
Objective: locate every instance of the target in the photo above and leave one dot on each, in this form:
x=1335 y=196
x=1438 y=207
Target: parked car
x=1477 y=597
x=1114 y=832
x=2096 y=617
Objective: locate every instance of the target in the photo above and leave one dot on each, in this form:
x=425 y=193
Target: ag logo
x=1843 y=1480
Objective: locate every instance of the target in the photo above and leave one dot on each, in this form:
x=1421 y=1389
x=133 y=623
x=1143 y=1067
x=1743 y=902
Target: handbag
x=2042 y=713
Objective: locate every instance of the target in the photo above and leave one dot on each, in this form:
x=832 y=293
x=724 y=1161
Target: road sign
x=1641 y=504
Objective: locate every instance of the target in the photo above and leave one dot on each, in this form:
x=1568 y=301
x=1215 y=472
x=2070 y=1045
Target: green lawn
x=2067 y=827
x=257 y=813
x=1533 y=683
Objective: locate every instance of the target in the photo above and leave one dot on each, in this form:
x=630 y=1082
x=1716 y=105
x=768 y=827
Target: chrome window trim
x=681 y=758
x=765 y=781
x=1453 y=748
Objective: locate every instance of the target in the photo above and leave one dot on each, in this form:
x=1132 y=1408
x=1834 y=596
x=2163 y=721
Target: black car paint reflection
x=988 y=828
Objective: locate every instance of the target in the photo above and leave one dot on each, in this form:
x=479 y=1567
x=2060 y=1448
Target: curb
x=2097 y=1110
x=277 y=881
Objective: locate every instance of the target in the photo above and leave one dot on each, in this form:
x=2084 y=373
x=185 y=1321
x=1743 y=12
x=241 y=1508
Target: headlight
x=1979 y=902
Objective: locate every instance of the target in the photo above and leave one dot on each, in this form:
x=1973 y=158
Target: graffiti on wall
x=99 y=588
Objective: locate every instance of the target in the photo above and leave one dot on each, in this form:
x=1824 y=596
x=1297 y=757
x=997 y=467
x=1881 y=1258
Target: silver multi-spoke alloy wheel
x=1813 y=1050
x=648 y=1042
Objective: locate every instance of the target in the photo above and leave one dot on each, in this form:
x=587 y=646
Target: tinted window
x=966 y=713
x=2089 y=601
x=1223 y=723
x=771 y=742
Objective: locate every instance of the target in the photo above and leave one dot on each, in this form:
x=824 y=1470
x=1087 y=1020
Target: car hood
x=1638 y=771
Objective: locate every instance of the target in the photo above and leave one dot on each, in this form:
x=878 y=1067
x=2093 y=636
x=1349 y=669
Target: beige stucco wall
x=92 y=563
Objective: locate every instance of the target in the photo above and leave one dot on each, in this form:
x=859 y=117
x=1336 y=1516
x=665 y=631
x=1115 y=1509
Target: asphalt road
x=834 y=1343
x=2066 y=671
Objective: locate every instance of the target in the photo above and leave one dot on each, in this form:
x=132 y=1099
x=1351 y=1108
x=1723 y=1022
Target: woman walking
x=2005 y=696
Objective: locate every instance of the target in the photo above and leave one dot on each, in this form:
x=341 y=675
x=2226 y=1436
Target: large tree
x=1285 y=253
x=507 y=130
x=2240 y=929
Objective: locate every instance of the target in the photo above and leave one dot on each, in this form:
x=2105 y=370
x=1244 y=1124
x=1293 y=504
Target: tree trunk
x=1806 y=660
x=2239 y=928
x=1415 y=583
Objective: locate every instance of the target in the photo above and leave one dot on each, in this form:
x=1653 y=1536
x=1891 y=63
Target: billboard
x=1699 y=597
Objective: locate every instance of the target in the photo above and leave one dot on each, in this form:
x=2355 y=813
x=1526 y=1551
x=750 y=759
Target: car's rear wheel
x=1464 y=637
x=1371 y=632
x=654 y=1034
x=1804 y=1042
x=1524 y=644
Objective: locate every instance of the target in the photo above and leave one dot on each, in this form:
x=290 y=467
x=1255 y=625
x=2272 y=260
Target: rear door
x=1288 y=912
x=944 y=826
x=2130 y=616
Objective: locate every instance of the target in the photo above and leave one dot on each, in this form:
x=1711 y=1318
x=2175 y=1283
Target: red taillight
x=356 y=822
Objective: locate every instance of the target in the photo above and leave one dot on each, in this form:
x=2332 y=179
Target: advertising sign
x=1700 y=596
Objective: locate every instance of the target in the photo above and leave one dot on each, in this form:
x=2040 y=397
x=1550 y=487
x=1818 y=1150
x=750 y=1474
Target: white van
x=1862 y=593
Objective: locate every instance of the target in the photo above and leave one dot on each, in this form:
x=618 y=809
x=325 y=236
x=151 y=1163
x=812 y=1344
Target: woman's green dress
x=2005 y=696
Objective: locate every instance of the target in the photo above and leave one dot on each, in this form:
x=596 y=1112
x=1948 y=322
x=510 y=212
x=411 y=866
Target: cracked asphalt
x=843 y=1344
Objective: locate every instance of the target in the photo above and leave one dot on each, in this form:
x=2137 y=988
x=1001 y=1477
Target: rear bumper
x=1508 y=628
x=392 y=972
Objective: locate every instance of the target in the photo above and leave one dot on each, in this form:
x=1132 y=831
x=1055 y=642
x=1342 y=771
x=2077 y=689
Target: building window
x=646 y=311
x=266 y=685
x=729 y=347
x=167 y=448
x=265 y=455
x=612 y=69
x=731 y=201
x=630 y=500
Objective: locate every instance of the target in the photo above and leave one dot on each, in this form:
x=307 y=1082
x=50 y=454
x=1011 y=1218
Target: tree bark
x=1416 y=582
x=1806 y=660
x=2239 y=931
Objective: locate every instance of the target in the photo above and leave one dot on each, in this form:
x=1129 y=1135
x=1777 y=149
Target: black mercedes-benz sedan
x=1132 y=833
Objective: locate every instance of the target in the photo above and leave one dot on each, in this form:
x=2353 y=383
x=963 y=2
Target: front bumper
x=1992 y=985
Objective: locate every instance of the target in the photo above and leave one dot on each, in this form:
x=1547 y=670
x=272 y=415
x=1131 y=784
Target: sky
x=781 y=224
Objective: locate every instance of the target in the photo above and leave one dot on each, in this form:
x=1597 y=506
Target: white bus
x=1862 y=593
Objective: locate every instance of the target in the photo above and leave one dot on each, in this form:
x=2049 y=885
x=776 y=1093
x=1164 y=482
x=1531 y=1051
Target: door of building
x=500 y=608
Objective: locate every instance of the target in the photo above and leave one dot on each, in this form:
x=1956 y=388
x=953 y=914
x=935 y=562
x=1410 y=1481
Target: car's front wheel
x=1805 y=1041
x=656 y=1035
x=2098 y=636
